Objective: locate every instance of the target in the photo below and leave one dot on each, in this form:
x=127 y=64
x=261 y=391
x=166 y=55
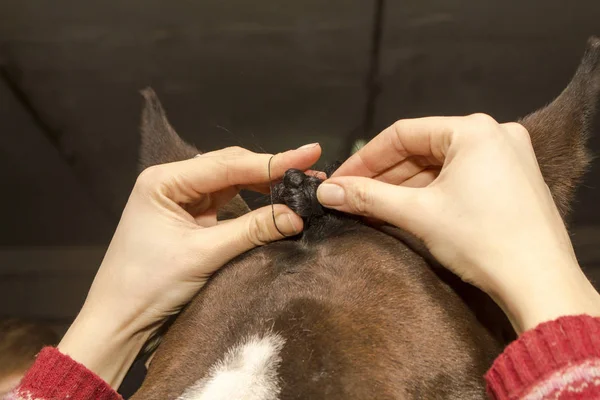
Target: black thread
x=271 y=196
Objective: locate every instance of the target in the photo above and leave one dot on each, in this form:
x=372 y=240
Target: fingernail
x=285 y=224
x=331 y=195
x=308 y=146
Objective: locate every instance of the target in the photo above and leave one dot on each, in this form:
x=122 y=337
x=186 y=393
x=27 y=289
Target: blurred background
x=267 y=75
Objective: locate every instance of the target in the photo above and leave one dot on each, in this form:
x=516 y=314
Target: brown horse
x=344 y=310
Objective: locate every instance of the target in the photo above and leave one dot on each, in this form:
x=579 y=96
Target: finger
x=429 y=137
x=233 y=150
x=316 y=174
x=204 y=208
x=207 y=219
x=223 y=196
x=370 y=198
x=422 y=179
x=251 y=230
x=185 y=181
x=402 y=171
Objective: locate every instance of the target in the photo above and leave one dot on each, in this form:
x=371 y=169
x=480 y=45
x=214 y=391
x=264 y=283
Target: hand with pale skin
x=167 y=245
x=472 y=191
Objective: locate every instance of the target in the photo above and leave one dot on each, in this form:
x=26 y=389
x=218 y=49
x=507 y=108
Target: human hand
x=167 y=245
x=471 y=189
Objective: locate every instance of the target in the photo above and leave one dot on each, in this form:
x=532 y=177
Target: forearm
x=549 y=293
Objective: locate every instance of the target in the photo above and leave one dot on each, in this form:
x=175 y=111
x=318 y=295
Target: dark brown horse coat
x=346 y=311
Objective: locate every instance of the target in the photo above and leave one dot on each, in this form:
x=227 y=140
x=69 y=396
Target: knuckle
x=482 y=118
x=518 y=131
x=399 y=127
x=483 y=127
x=235 y=150
x=149 y=177
x=258 y=231
x=361 y=200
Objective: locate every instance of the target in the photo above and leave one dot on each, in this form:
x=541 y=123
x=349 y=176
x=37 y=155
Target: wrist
x=102 y=345
x=548 y=296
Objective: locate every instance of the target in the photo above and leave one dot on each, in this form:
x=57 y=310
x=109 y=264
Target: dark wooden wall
x=265 y=75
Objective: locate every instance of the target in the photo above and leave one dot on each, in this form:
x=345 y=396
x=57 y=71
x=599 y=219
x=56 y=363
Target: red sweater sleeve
x=557 y=360
x=57 y=376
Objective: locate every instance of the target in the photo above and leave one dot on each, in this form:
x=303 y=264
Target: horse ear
x=160 y=144
x=559 y=130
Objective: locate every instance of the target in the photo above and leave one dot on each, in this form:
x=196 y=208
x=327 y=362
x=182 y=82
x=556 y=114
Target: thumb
x=253 y=229
x=396 y=205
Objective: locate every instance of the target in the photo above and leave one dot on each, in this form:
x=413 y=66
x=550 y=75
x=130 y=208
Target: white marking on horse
x=247 y=372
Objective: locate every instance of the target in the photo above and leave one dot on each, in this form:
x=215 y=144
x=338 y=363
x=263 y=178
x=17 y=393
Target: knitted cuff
x=57 y=376
x=550 y=358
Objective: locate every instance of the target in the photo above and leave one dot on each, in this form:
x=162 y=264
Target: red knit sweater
x=556 y=360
